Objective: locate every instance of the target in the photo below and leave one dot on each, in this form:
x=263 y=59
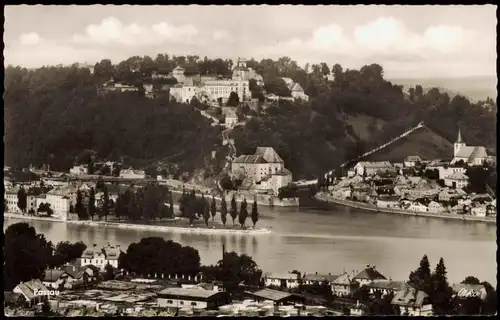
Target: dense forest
x=315 y=136
x=54 y=113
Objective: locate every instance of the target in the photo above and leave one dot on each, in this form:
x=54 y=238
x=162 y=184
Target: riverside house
x=457 y=180
x=412 y=302
x=29 y=291
x=282 y=280
x=315 y=278
x=385 y=286
x=436 y=207
x=368 y=275
x=411 y=161
x=371 y=168
x=101 y=258
x=388 y=202
x=344 y=285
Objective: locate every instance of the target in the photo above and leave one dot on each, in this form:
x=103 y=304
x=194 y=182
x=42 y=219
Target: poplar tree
x=234 y=211
x=243 y=213
x=223 y=210
x=91 y=206
x=255 y=213
x=213 y=209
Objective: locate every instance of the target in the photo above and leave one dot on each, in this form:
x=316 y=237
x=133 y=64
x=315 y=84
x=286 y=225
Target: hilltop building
x=212 y=88
x=265 y=169
x=295 y=89
x=242 y=72
x=473 y=155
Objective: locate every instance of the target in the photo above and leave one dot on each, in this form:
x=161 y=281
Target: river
x=326 y=241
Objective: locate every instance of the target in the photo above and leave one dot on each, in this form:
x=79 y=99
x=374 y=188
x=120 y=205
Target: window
x=170 y=301
x=181 y=302
x=193 y=303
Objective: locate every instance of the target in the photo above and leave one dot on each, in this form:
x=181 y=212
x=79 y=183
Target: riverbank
x=372 y=207
x=262 y=199
x=146 y=227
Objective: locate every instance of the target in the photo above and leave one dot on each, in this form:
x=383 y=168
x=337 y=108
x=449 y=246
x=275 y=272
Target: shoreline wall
x=143 y=226
x=262 y=199
x=372 y=207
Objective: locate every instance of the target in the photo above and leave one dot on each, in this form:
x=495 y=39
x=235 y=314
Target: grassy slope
x=423 y=142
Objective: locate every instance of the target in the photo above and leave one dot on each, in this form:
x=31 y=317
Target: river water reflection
x=333 y=240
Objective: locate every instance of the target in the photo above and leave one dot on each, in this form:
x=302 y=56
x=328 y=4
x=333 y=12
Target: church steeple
x=459 y=138
x=458 y=144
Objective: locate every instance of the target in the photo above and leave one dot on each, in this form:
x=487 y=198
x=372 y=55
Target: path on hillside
x=372 y=151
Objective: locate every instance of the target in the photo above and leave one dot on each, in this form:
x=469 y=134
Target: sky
x=408 y=41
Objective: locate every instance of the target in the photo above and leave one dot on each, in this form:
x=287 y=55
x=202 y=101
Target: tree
x=243 y=213
x=22 y=199
x=91 y=206
x=233 y=211
x=79 y=208
x=234 y=269
x=66 y=252
x=171 y=205
x=156 y=256
x=223 y=210
x=471 y=280
x=206 y=211
x=191 y=212
x=255 y=213
x=105 y=204
x=45 y=208
x=109 y=273
x=442 y=292
x=213 y=209
x=421 y=278
x=324 y=69
x=26 y=255
x=233 y=99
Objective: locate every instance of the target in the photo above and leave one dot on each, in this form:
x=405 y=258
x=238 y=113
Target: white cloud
x=112 y=31
x=221 y=35
x=381 y=34
x=328 y=37
x=445 y=39
x=30 y=39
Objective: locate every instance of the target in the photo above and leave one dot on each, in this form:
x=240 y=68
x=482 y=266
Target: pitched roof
x=377 y=164
x=250 y=159
x=343 y=279
x=198 y=293
x=296 y=87
x=410 y=297
x=112 y=252
x=413 y=158
x=457 y=176
x=320 y=277
x=285 y=276
x=29 y=287
x=74 y=271
x=270 y=294
x=269 y=154
x=52 y=275
x=386 y=284
x=471 y=152
x=369 y=273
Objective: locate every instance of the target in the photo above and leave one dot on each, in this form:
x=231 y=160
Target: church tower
x=458 y=144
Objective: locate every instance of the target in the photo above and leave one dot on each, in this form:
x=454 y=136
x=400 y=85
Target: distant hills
x=474 y=87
